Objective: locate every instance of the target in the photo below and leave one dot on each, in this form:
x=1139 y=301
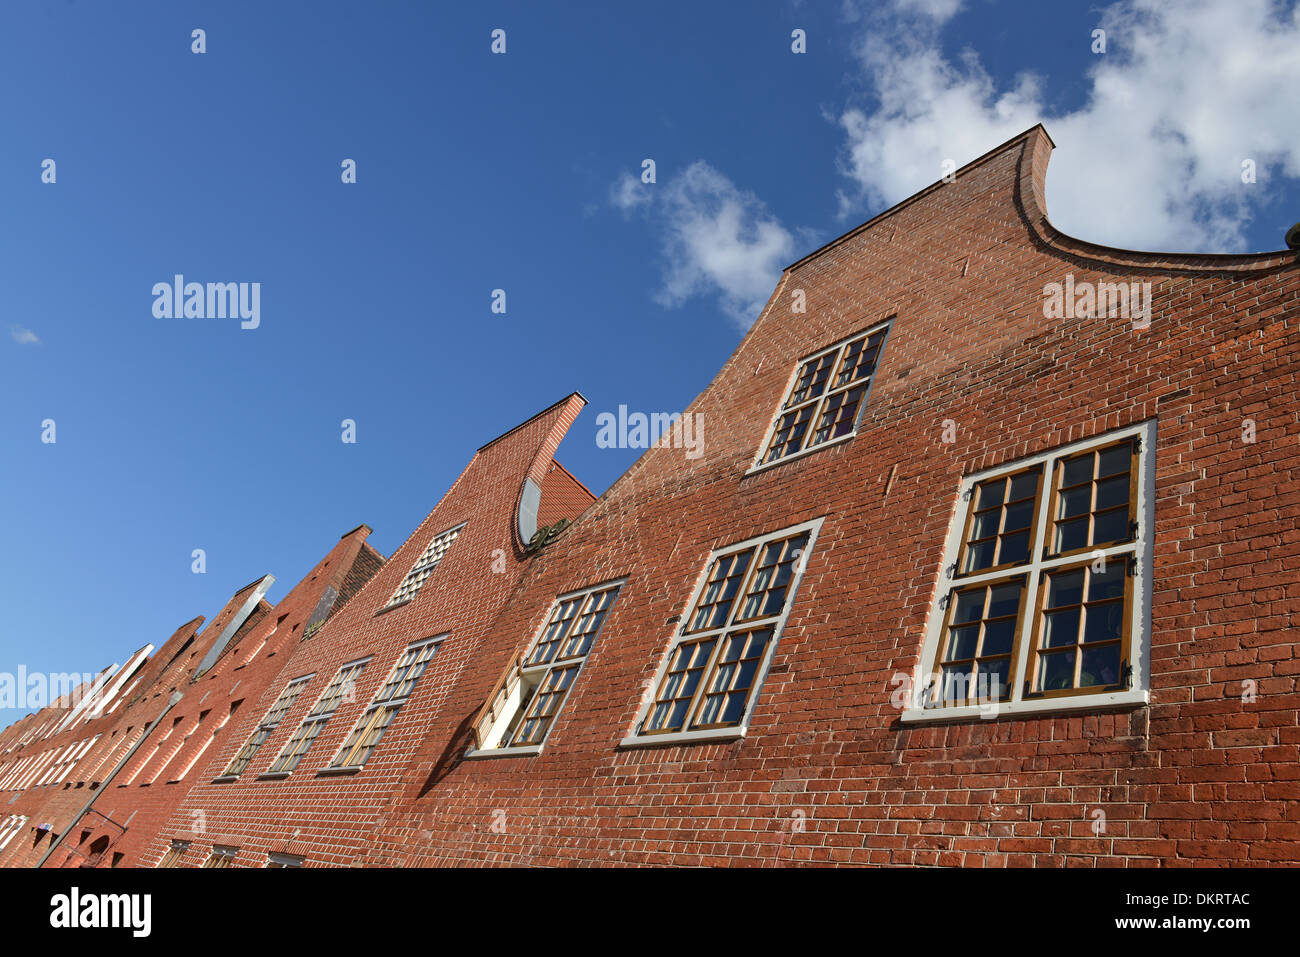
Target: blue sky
x=476 y=172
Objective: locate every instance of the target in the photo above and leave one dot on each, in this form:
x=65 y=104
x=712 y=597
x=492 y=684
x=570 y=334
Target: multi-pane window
x=342 y=688
x=722 y=649
x=10 y=829
x=525 y=705
x=221 y=856
x=827 y=397
x=424 y=566
x=174 y=854
x=388 y=701
x=272 y=720
x=1045 y=578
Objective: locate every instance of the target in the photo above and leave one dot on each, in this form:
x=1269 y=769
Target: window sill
x=524 y=751
x=274 y=775
x=1040 y=706
x=387 y=608
x=335 y=772
x=755 y=469
x=682 y=737
x=225 y=779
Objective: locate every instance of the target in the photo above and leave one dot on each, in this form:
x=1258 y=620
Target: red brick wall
x=827 y=772
x=1198 y=776
x=250 y=664
x=331 y=818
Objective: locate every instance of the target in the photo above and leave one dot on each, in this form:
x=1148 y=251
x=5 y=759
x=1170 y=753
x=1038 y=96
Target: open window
x=523 y=706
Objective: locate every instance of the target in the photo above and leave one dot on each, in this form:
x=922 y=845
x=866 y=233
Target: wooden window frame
x=501 y=737
x=820 y=403
x=1058 y=473
x=313 y=723
x=388 y=700
x=175 y=854
x=1125 y=639
x=222 y=856
x=971 y=512
x=639 y=735
x=1017 y=636
x=1137 y=549
x=424 y=566
x=266 y=727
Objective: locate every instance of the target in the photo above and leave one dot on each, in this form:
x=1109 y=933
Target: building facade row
x=987 y=558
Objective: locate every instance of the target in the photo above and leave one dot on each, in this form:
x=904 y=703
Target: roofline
x=533 y=418
x=1037 y=145
x=255 y=581
x=1000 y=148
x=353 y=531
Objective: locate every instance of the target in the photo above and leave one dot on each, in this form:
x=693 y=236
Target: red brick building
x=986 y=558
x=102 y=786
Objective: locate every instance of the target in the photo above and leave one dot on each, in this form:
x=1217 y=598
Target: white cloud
x=717 y=240
x=24 y=337
x=1187 y=90
x=629 y=193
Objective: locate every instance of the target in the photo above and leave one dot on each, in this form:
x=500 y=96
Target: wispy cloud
x=1187 y=90
x=717 y=239
x=23 y=336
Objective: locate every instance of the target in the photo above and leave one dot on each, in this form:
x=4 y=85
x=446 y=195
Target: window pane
x=979 y=556
x=993 y=679
x=1056 y=670
x=1075 y=502
x=1110 y=526
x=1100 y=666
x=998 y=636
x=986 y=523
x=1019 y=516
x=991 y=493
x=1105 y=621
x=1015 y=549
x=1004 y=599
x=1024 y=485
x=970 y=605
x=1060 y=628
x=1071 y=535
x=1116 y=459
x=1110 y=583
x=1077 y=470
x=1066 y=588
x=962 y=643
x=1112 y=492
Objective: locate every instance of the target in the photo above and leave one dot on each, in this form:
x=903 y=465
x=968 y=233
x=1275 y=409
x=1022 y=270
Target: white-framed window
x=388 y=701
x=424 y=566
x=221 y=856
x=1044 y=597
x=523 y=707
x=342 y=688
x=11 y=828
x=825 y=398
x=269 y=723
x=708 y=683
x=285 y=860
x=174 y=854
